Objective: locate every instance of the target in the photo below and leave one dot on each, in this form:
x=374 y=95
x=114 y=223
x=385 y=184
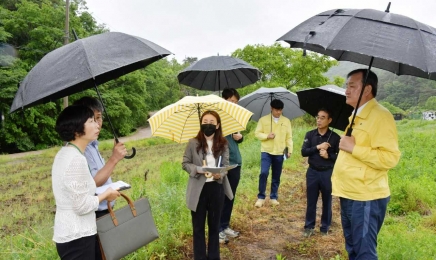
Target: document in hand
x=219 y=169
x=115 y=185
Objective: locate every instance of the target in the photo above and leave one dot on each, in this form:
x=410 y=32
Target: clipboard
x=219 y=169
x=119 y=184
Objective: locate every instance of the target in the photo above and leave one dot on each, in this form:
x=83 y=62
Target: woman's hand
x=109 y=195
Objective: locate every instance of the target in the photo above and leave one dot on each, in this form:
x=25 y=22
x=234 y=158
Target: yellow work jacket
x=283 y=135
x=363 y=174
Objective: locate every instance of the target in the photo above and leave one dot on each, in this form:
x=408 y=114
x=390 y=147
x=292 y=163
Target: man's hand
x=288 y=155
x=271 y=135
x=347 y=143
x=119 y=151
x=323 y=146
x=237 y=136
x=323 y=153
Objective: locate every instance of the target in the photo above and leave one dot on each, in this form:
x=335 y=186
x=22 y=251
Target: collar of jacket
x=367 y=109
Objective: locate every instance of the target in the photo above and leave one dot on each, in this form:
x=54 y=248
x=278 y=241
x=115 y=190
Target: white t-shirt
x=210 y=159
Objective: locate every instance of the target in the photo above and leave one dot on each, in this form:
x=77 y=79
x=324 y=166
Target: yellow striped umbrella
x=181 y=121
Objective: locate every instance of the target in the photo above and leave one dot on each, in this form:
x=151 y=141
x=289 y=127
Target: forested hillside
x=406 y=92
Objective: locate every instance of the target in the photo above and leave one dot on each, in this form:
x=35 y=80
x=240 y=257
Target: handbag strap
x=112 y=213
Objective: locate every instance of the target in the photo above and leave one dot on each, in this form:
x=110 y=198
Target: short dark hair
x=230 y=92
x=71 y=121
x=326 y=111
x=372 y=79
x=90 y=102
x=277 y=104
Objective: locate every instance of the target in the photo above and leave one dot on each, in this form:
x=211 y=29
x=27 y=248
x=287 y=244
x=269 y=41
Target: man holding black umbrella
x=360 y=175
x=321 y=145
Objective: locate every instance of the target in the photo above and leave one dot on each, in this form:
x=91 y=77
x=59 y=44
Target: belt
x=321 y=168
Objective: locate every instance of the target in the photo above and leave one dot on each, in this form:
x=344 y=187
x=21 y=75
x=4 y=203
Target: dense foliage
x=31 y=29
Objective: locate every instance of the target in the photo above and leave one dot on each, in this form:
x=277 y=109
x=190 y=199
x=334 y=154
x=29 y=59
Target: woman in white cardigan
x=73 y=187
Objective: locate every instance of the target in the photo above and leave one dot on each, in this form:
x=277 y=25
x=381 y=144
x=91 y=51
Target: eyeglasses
x=99 y=119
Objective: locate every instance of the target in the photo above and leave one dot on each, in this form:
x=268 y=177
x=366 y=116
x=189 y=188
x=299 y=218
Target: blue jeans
x=361 y=222
x=275 y=162
x=317 y=181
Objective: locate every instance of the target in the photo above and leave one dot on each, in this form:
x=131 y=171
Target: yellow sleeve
x=383 y=152
x=260 y=132
x=289 y=142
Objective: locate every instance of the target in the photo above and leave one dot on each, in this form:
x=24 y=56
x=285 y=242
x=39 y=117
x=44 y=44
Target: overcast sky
x=202 y=28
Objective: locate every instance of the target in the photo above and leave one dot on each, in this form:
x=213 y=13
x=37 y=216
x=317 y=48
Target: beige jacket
x=192 y=159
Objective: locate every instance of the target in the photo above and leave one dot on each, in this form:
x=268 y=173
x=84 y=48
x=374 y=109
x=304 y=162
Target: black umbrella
x=259 y=101
x=330 y=97
x=381 y=39
x=84 y=64
x=216 y=73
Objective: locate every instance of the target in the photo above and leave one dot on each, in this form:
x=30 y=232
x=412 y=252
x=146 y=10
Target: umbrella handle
x=133 y=150
x=132 y=155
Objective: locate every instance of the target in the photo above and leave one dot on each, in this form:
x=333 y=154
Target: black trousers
x=81 y=249
x=98 y=254
x=234 y=175
x=209 y=205
x=317 y=181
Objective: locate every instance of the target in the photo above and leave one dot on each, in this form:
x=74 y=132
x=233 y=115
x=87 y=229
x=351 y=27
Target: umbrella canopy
x=216 y=73
x=181 y=121
x=83 y=64
x=381 y=39
x=397 y=43
x=259 y=101
x=330 y=97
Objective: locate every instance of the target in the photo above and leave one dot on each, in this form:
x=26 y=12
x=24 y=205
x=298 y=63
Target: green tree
x=285 y=67
x=393 y=109
x=430 y=104
x=34 y=28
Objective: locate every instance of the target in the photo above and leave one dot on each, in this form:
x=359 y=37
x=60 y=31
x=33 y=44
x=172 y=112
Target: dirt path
x=270 y=232
x=141 y=133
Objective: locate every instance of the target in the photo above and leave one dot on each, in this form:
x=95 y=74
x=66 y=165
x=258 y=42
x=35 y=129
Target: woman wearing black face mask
x=205 y=195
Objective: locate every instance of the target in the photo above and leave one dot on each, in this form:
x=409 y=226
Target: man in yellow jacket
x=360 y=175
x=275 y=133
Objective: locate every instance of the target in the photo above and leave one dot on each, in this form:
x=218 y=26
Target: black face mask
x=208 y=129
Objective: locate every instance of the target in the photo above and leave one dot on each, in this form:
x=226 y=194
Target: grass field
x=409 y=232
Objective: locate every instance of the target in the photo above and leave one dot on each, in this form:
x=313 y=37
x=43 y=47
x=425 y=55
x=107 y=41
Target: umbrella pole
x=219 y=82
x=110 y=123
x=271 y=95
x=350 y=128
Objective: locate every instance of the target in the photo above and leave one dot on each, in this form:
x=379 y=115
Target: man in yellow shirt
x=360 y=175
x=275 y=133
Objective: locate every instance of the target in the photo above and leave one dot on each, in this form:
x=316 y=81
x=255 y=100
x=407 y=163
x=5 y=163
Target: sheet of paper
x=114 y=185
x=219 y=169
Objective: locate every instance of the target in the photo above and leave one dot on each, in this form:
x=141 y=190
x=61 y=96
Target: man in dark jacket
x=321 y=145
x=234 y=175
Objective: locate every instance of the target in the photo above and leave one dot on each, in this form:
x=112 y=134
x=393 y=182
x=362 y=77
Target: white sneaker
x=259 y=203
x=274 y=202
x=230 y=232
x=223 y=238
